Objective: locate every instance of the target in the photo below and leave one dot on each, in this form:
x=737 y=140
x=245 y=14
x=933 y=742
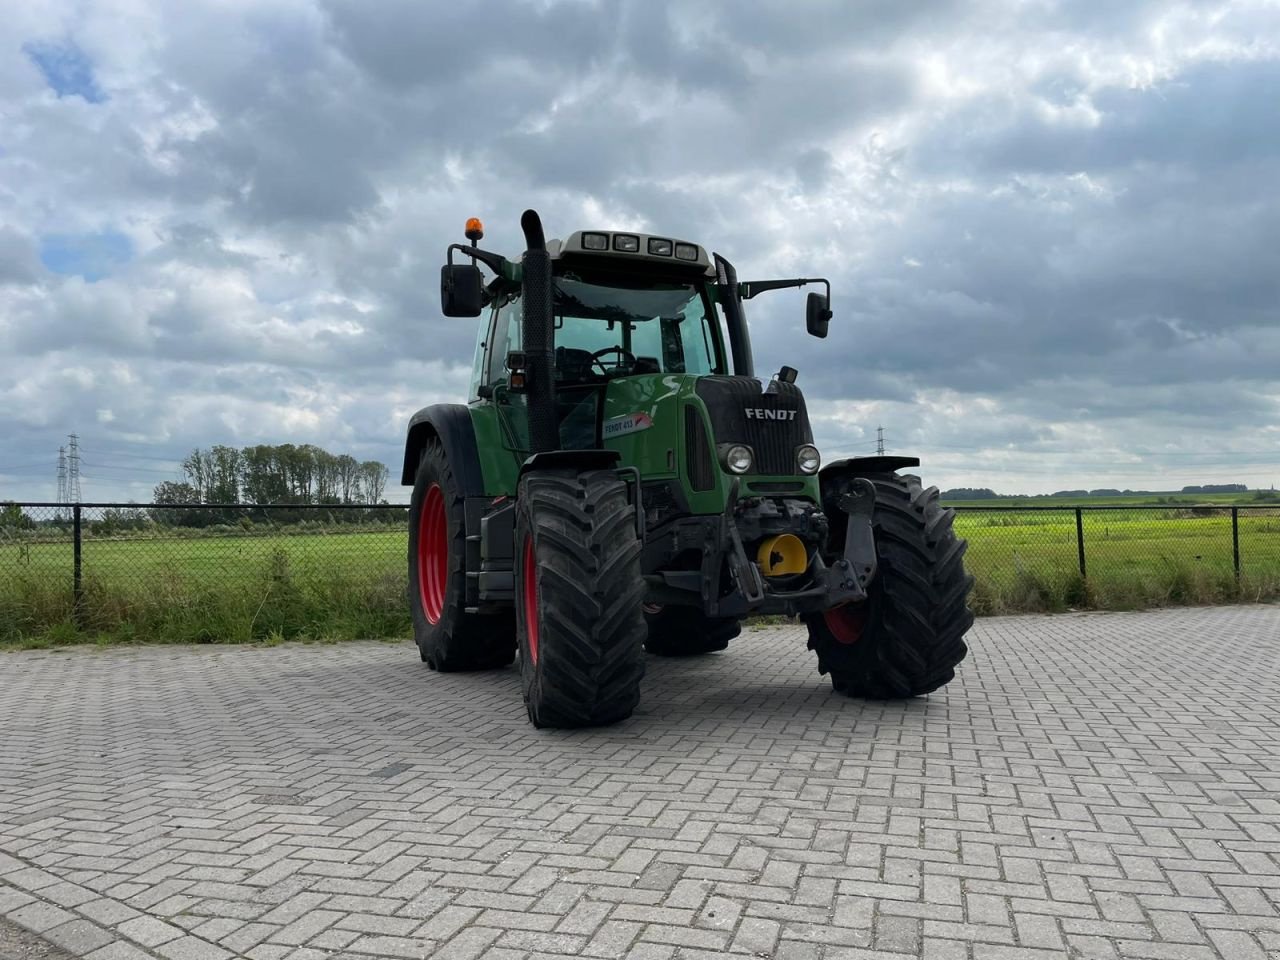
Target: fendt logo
x=759 y=413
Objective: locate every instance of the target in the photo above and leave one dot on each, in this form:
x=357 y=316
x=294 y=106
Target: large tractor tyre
x=448 y=638
x=906 y=639
x=579 y=593
x=687 y=632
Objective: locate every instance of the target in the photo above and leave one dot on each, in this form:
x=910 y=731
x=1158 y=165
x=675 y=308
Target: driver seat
x=572 y=363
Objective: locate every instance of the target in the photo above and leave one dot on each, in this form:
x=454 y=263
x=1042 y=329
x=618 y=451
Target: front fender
x=861 y=466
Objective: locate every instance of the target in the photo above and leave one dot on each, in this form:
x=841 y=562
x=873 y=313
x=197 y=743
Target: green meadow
x=231 y=588
x=1027 y=560
x=335 y=583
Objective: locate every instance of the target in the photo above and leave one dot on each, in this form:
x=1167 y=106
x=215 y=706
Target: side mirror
x=461 y=290
x=817 y=315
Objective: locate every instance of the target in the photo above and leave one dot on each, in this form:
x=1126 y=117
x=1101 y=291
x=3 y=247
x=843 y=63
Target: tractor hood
x=770 y=419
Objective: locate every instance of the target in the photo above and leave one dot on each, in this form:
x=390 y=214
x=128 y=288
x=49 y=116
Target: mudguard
x=450 y=423
x=571 y=459
x=860 y=466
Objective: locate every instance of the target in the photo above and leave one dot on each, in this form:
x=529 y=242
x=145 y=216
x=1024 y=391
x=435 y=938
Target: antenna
x=879 y=441
x=73 y=469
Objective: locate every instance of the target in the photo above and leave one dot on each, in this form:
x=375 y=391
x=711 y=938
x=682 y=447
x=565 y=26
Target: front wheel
x=906 y=639
x=578 y=598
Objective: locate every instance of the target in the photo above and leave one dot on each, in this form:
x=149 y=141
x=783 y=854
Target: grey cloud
x=289 y=175
x=19 y=259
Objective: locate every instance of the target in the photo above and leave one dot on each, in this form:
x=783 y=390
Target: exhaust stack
x=539 y=336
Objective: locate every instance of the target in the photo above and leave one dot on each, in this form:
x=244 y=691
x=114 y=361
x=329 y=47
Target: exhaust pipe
x=539 y=337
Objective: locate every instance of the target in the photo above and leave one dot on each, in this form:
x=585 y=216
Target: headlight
x=808 y=459
x=737 y=459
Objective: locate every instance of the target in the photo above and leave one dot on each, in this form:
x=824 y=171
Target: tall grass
x=271 y=605
x=1176 y=584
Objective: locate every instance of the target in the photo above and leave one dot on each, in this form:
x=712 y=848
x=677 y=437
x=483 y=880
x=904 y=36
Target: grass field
x=1251 y=498
x=233 y=588
x=343 y=583
x=1029 y=560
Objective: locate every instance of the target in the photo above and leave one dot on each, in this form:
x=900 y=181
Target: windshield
x=621 y=327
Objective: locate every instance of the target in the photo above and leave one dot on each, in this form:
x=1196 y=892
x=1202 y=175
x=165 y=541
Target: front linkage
x=729 y=584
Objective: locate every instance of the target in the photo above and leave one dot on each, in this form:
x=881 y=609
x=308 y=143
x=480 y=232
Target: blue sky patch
x=89 y=255
x=66 y=69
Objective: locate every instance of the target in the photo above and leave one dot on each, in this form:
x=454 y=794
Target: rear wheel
x=687 y=632
x=906 y=639
x=448 y=637
x=578 y=599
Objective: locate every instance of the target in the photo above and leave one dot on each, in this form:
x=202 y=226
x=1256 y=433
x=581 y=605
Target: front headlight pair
x=737 y=458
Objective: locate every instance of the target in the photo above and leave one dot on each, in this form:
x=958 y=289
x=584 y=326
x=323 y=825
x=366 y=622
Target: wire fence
x=1116 y=557
x=204 y=572
x=250 y=572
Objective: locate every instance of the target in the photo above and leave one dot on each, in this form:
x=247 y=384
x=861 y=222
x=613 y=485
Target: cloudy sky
x=1053 y=229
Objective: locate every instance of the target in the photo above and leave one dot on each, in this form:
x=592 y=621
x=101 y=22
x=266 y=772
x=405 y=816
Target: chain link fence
x=206 y=573
x=1054 y=558
x=203 y=572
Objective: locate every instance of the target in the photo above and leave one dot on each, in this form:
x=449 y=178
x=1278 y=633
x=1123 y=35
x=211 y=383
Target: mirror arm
x=749 y=290
x=494 y=261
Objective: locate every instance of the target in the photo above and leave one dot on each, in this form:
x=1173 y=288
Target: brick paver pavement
x=1101 y=785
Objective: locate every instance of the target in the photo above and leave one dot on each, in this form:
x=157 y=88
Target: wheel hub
x=433 y=553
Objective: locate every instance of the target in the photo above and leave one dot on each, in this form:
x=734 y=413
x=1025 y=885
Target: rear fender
x=450 y=423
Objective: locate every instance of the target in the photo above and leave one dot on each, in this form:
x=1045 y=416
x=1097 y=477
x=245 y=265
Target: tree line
x=275 y=474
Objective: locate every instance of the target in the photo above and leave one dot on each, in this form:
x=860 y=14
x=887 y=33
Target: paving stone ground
x=1098 y=785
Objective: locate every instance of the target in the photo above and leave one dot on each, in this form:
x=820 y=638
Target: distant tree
x=197 y=467
x=348 y=473
x=262 y=479
x=969 y=493
x=117 y=519
x=12 y=517
x=373 y=481
x=224 y=472
x=276 y=474
x=170 y=493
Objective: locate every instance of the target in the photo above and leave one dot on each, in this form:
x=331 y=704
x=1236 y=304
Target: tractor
x=620 y=482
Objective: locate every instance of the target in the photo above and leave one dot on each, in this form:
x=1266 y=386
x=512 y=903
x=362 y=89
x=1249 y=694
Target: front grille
x=701 y=466
x=774 y=442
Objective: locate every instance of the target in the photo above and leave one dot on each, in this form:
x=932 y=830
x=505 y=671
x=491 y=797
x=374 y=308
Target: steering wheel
x=625 y=358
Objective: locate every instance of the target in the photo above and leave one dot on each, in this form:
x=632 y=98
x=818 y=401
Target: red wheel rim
x=433 y=553
x=531 y=599
x=846 y=623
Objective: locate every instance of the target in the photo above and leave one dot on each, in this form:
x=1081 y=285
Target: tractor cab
x=613 y=319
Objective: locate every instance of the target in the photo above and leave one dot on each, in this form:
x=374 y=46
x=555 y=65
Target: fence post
x=77 y=589
x=1080 y=540
x=1235 y=539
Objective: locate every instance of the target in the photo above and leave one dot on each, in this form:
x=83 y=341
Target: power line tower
x=879 y=441
x=73 y=469
x=62 y=482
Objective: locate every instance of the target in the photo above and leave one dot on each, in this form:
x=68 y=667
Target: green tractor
x=621 y=481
